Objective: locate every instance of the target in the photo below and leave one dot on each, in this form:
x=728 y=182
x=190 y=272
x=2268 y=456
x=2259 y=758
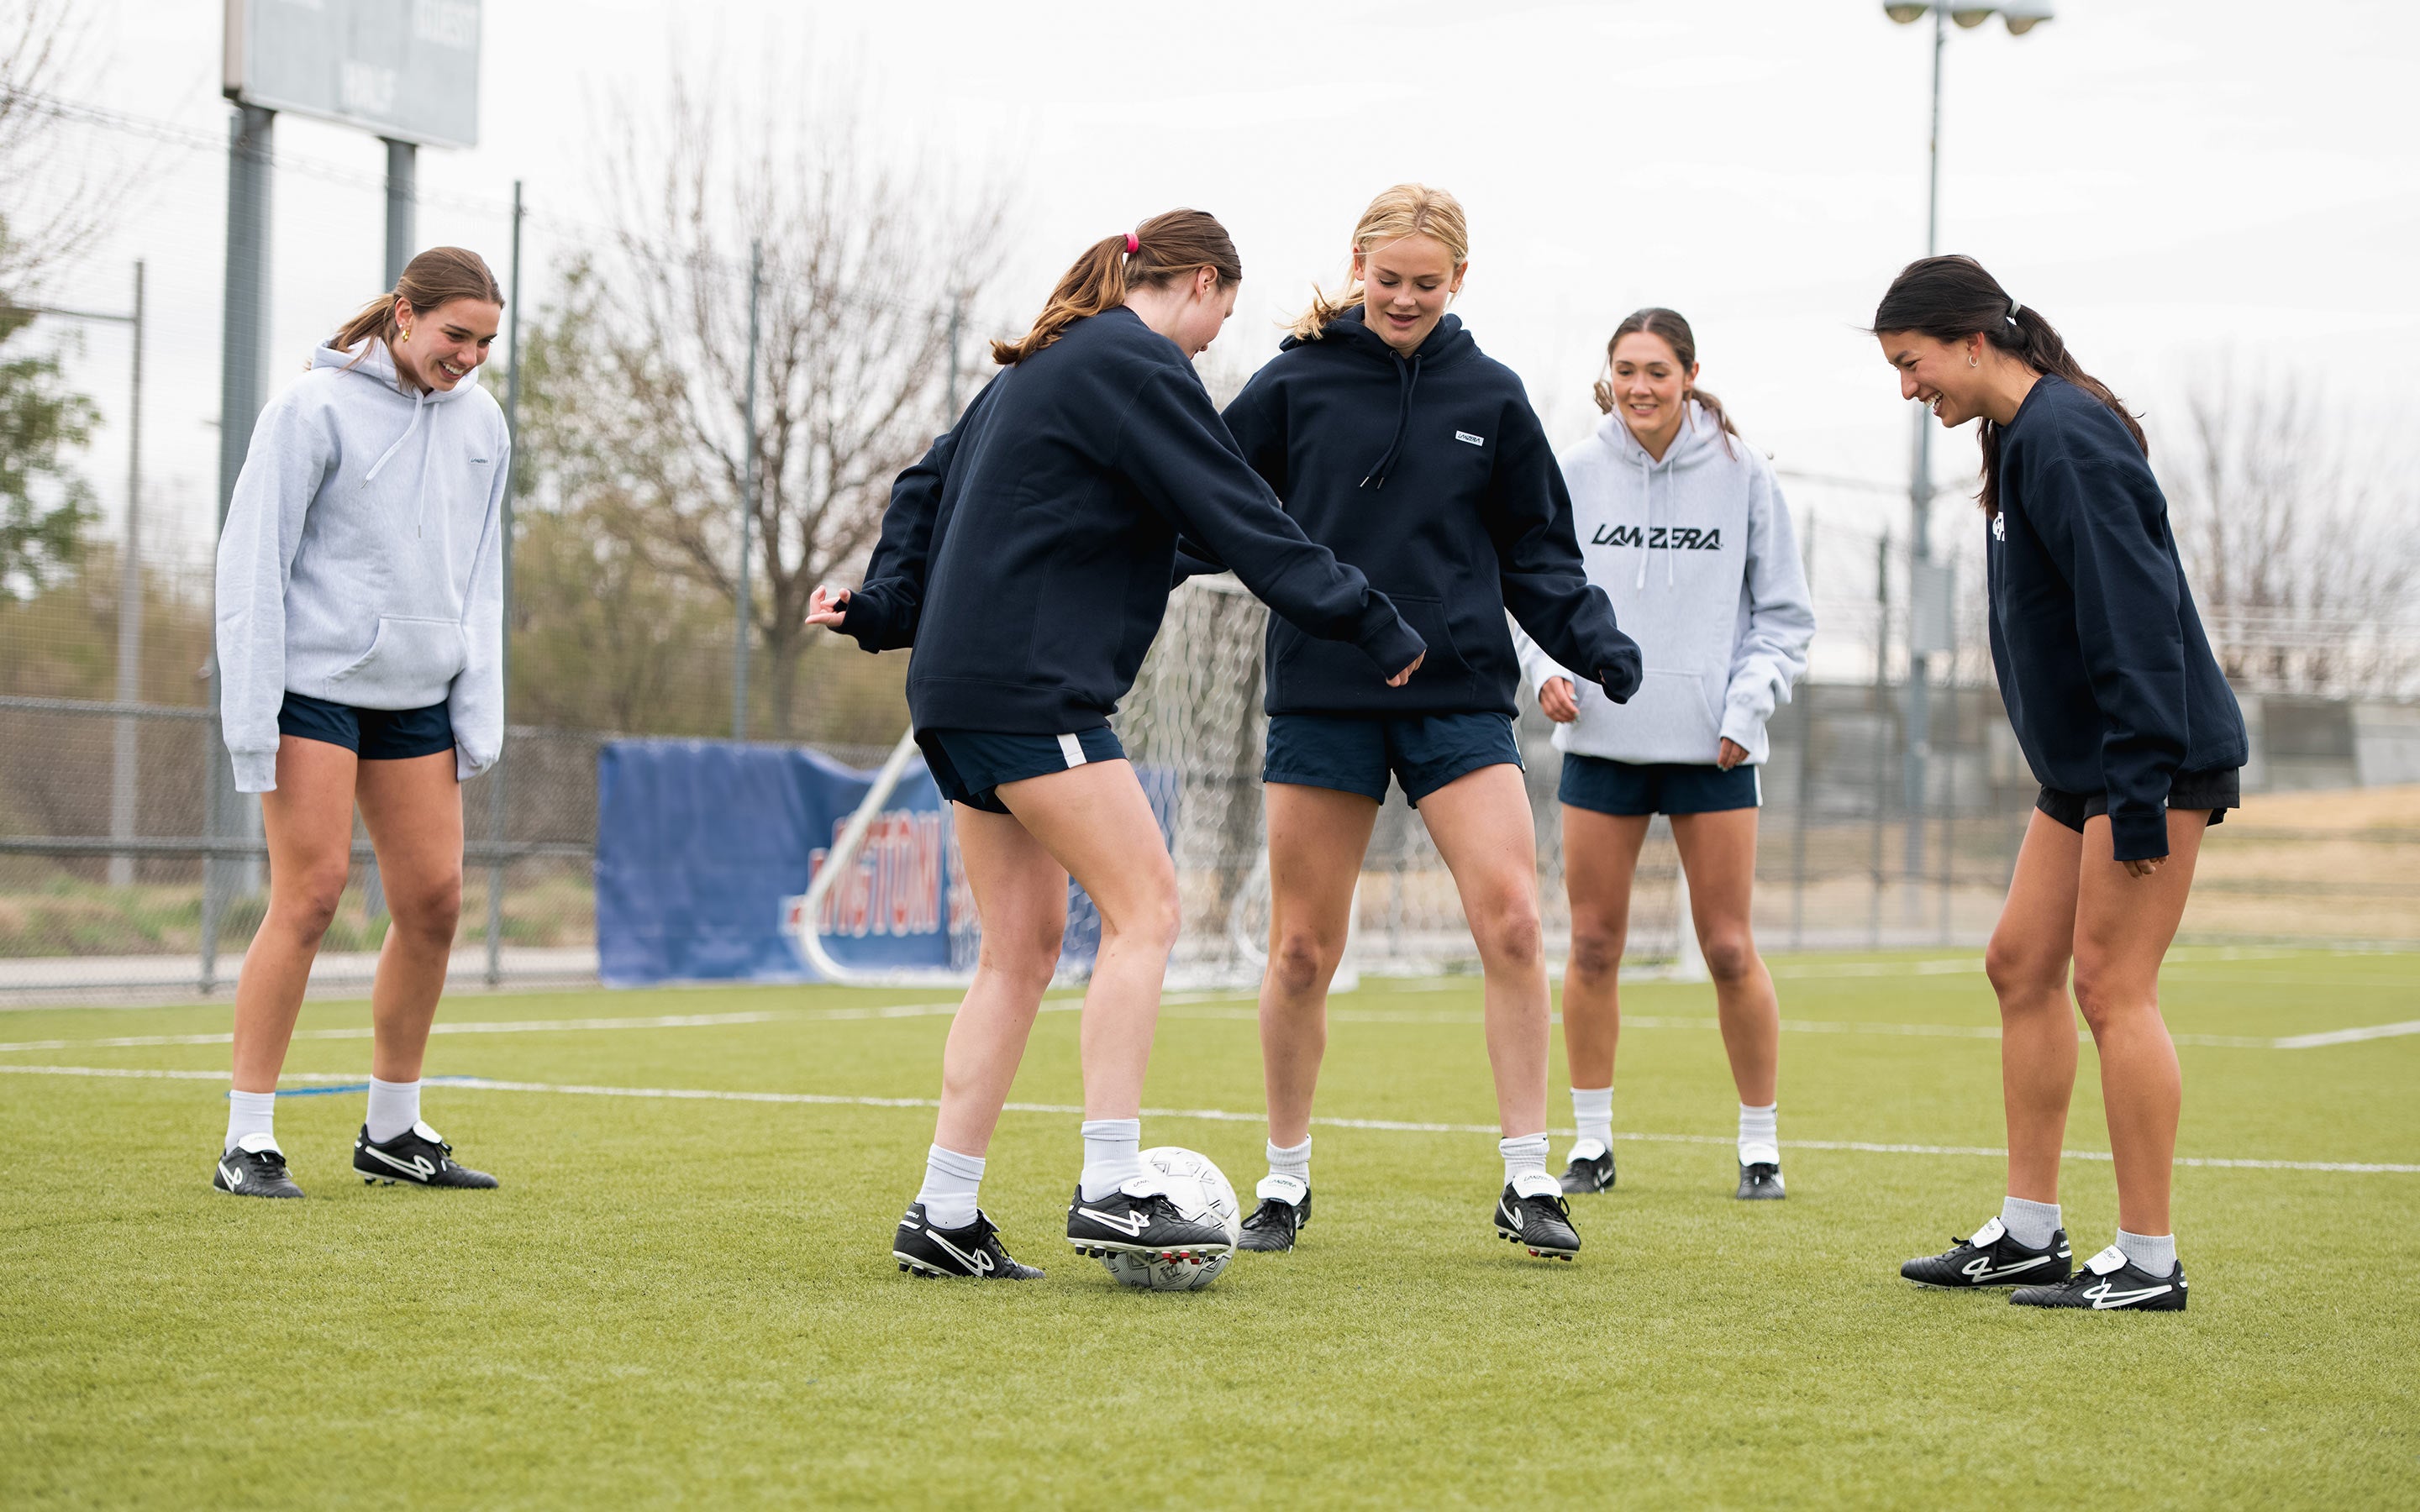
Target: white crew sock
x=2154 y=1253
x=1760 y=1134
x=952 y=1181
x=1524 y=1166
x=1289 y=1175
x=251 y=1113
x=2030 y=1224
x=1592 y=1112
x=1113 y=1155
x=394 y=1107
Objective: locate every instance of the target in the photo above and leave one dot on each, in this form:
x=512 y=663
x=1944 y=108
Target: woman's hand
x=1406 y=675
x=1558 y=701
x=827 y=606
x=2145 y=866
x=1730 y=753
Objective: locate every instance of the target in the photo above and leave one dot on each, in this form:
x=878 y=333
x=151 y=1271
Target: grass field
x=690 y=1300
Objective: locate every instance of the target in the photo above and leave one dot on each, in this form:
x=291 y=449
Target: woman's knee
x=1027 y=952
x=2022 y=968
x=1596 y=952
x=1731 y=955
x=1508 y=933
x=1303 y=960
x=1150 y=915
x=306 y=899
x=2104 y=997
x=429 y=907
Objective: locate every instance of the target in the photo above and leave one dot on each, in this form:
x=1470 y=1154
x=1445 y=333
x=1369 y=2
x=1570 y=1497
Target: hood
x=1701 y=439
x=1349 y=333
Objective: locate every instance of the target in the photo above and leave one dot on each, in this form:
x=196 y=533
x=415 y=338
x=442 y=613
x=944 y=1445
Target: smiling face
x=438 y=348
x=1406 y=285
x=1649 y=388
x=1947 y=376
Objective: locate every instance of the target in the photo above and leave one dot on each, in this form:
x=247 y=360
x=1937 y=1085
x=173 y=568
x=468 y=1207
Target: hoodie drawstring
x=420 y=502
x=1407 y=371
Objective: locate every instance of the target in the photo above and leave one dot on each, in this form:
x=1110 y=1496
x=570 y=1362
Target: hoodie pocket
x=409 y=665
x=1668 y=718
x=1444 y=670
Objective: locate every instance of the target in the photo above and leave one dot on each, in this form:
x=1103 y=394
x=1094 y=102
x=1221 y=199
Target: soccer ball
x=1199 y=1189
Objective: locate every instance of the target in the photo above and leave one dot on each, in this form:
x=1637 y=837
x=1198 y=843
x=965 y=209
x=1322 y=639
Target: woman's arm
x=1545 y=580
x=291 y=452
x=881 y=613
x=1772 y=654
x=476 y=703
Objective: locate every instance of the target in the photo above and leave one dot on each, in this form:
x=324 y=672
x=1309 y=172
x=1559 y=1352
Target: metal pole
x=402 y=194
x=1919 y=495
x=123 y=771
x=1881 y=724
x=747 y=508
x=245 y=322
x=1806 y=773
x=496 y=777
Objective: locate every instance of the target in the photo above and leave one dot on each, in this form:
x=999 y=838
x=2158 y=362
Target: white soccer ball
x=1199 y=1189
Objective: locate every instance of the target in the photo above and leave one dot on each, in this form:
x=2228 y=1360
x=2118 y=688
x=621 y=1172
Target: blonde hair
x=430 y=280
x=1170 y=246
x=1406 y=209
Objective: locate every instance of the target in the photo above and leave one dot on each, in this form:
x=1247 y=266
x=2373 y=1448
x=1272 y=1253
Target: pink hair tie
x=1134 y=244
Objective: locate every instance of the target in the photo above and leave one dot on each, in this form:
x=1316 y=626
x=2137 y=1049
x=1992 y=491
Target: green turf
x=693 y=1301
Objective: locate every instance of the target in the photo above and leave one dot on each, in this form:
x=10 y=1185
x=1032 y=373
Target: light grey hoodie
x=1697 y=553
x=361 y=564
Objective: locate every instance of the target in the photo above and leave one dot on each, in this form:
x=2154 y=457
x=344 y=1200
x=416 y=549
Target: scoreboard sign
x=405 y=69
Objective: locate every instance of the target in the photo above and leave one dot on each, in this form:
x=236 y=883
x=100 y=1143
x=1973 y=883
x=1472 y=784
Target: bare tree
x=867 y=255
x=2305 y=560
x=55 y=208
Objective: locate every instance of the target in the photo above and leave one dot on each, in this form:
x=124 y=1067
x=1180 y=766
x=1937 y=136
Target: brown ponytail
x=430 y=280
x=1668 y=326
x=1165 y=248
x=1951 y=299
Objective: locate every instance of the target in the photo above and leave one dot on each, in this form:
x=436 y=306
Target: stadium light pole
x=1928 y=618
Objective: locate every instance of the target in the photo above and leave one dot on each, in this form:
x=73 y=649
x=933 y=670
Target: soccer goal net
x=1193 y=728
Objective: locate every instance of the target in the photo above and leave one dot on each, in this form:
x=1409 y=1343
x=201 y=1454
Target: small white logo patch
x=1465 y=436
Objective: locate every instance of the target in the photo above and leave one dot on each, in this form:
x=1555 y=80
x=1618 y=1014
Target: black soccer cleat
x=1992 y=1258
x=417 y=1156
x=1760 y=1182
x=1274 y=1224
x=1135 y=1219
x=2109 y=1282
x=922 y=1249
x=1588 y=1173
x=1541 y=1225
x=255 y=1173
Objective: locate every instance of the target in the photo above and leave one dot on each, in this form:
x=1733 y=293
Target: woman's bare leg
x=308 y=821
x=1600 y=860
x=412 y=809
x=1718 y=854
x=1021 y=898
x=2123 y=926
x=2027 y=962
x=1097 y=822
x=1481 y=825
x=1317 y=840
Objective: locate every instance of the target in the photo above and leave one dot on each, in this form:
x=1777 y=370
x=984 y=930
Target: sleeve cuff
x=466 y=766
x=1394 y=647
x=2138 y=834
x=256 y=771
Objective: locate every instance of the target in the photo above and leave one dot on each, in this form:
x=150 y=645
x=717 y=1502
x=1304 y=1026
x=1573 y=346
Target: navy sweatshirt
x=1026 y=557
x=1431 y=474
x=2102 y=664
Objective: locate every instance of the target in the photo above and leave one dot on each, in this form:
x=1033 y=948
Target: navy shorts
x=968 y=766
x=372 y=735
x=1424 y=752
x=1634 y=789
x=2217 y=790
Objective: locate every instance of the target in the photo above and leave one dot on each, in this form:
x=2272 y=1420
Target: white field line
x=1194 y=1006
x=693 y=1094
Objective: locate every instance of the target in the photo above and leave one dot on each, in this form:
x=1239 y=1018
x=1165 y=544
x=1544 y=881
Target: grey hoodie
x=361 y=564
x=1697 y=553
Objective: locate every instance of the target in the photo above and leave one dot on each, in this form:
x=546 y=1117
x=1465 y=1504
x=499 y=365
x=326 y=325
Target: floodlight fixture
x=1970 y=17
x=1906 y=12
x=2023 y=16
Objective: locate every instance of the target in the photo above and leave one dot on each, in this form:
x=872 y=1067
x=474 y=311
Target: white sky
x=2173 y=184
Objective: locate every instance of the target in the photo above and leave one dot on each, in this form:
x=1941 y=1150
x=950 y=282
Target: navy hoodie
x=1431 y=474
x=2102 y=664
x=1027 y=556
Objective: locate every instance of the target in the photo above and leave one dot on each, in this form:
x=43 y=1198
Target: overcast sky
x=2172 y=184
